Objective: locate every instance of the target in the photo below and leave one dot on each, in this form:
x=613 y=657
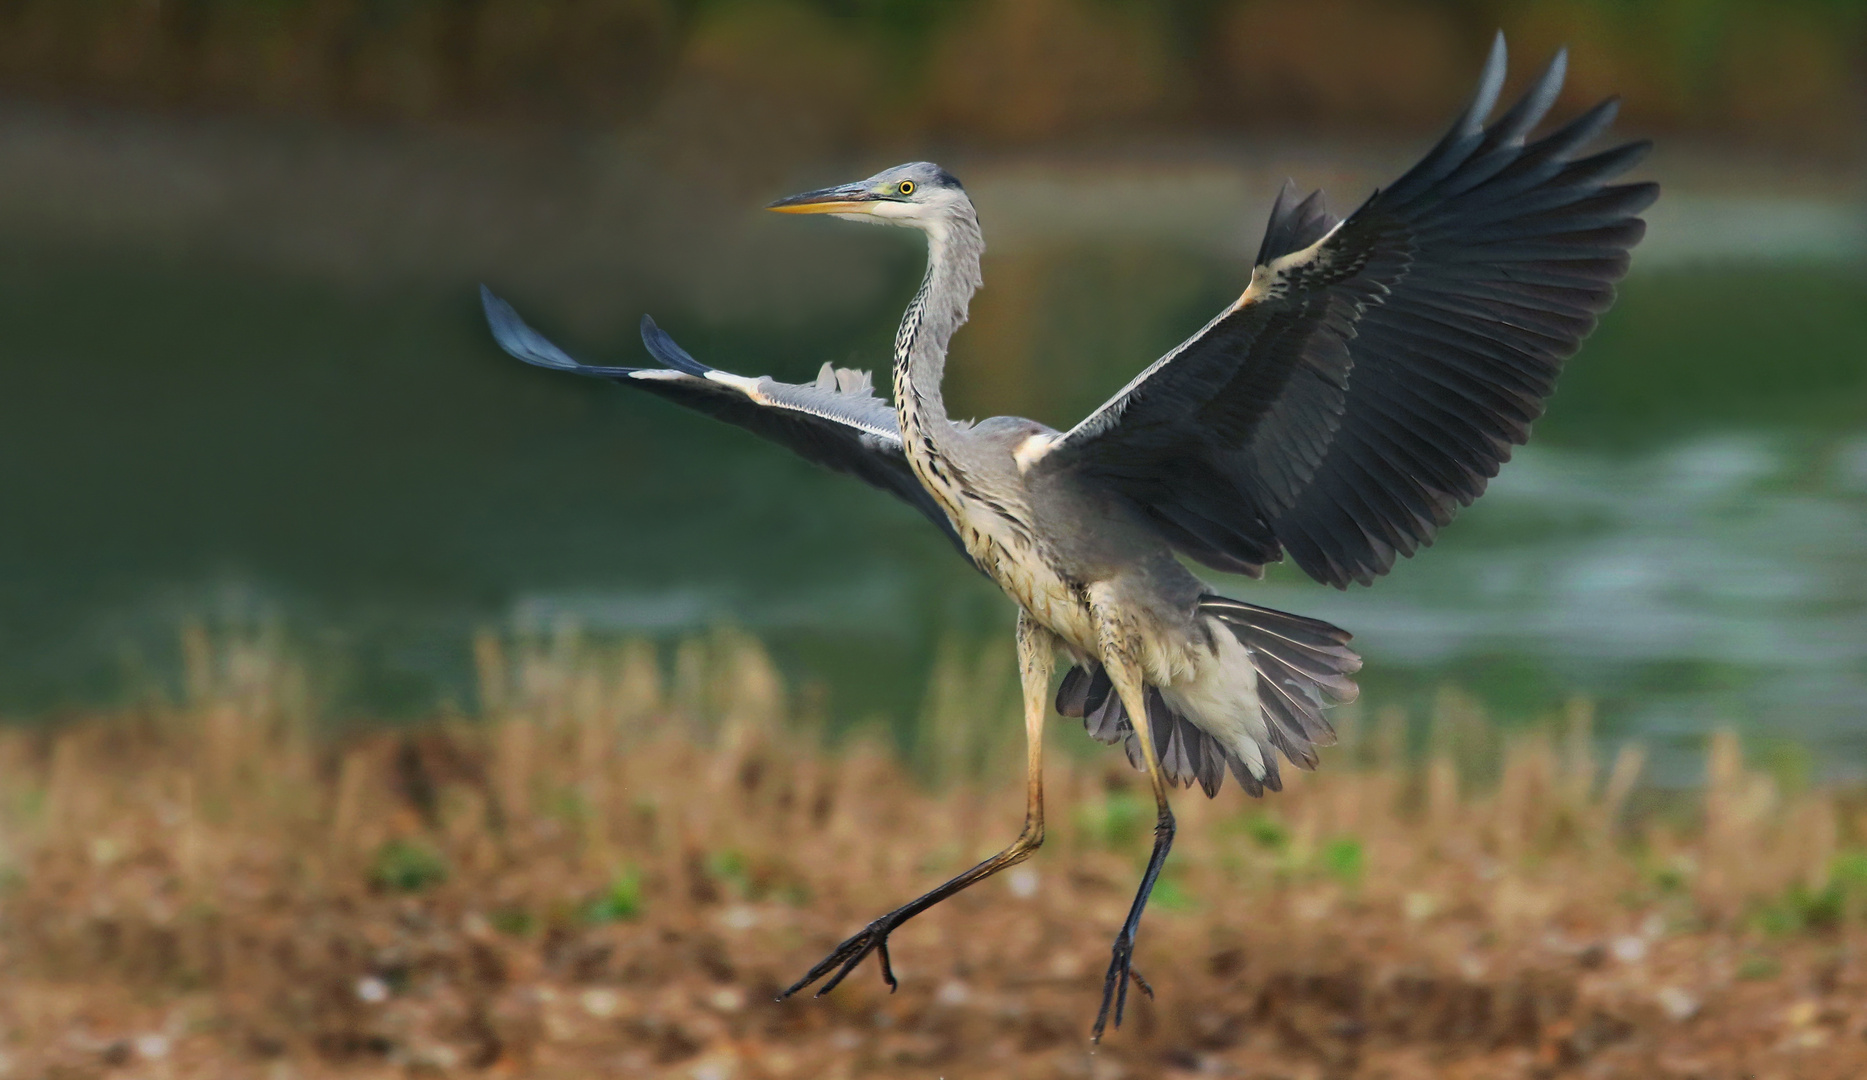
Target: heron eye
x=906 y=187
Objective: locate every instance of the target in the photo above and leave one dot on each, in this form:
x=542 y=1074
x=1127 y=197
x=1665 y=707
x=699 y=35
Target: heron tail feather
x=1303 y=666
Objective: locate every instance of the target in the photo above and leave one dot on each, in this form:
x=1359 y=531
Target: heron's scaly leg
x=1036 y=659
x=1121 y=658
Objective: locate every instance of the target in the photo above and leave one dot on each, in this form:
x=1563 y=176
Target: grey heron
x=1372 y=376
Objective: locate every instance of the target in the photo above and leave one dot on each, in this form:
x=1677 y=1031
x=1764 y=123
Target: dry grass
x=615 y=870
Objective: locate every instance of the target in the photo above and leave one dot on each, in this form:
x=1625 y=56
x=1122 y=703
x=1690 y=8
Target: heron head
x=917 y=193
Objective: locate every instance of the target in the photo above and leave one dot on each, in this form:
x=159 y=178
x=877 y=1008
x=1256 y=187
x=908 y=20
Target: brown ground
x=201 y=892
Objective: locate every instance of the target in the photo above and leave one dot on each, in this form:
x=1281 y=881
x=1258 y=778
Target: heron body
x=1371 y=377
x=1074 y=555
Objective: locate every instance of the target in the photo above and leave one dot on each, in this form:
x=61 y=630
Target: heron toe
x=845 y=957
x=1115 y=984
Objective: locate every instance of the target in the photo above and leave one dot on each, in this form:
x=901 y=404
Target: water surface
x=199 y=420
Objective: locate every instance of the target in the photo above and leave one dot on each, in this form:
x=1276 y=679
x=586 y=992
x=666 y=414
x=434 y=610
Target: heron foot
x=1115 y=986
x=843 y=959
x=874 y=937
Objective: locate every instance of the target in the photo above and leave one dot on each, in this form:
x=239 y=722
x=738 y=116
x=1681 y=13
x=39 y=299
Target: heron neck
x=939 y=309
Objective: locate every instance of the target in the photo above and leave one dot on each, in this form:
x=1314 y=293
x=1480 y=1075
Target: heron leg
x=1036 y=659
x=1120 y=657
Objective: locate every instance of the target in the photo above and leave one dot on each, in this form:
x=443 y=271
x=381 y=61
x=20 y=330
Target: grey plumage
x=1374 y=374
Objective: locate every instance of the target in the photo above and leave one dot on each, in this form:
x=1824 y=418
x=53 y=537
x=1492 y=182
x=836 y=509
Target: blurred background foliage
x=986 y=71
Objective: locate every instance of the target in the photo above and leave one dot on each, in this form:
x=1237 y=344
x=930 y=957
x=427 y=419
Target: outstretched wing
x=1377 y=371
x=836 y=422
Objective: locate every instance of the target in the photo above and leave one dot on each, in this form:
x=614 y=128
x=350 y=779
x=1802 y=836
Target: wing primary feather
x=665 y=349
x=1490 y=85
x=1535 y=104
x=1504 y=138
x=521 y=342
x=1578 y=132
x=1545 y=158
x=1466 y=132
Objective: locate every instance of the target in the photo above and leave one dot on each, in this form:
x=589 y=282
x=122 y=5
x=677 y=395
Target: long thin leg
x=1120 y=658
x=1037 y=648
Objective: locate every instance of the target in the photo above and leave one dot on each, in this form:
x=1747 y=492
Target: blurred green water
x=181 y=438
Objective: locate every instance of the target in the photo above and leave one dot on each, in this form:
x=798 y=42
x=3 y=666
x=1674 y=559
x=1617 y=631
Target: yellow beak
x=844 y=199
